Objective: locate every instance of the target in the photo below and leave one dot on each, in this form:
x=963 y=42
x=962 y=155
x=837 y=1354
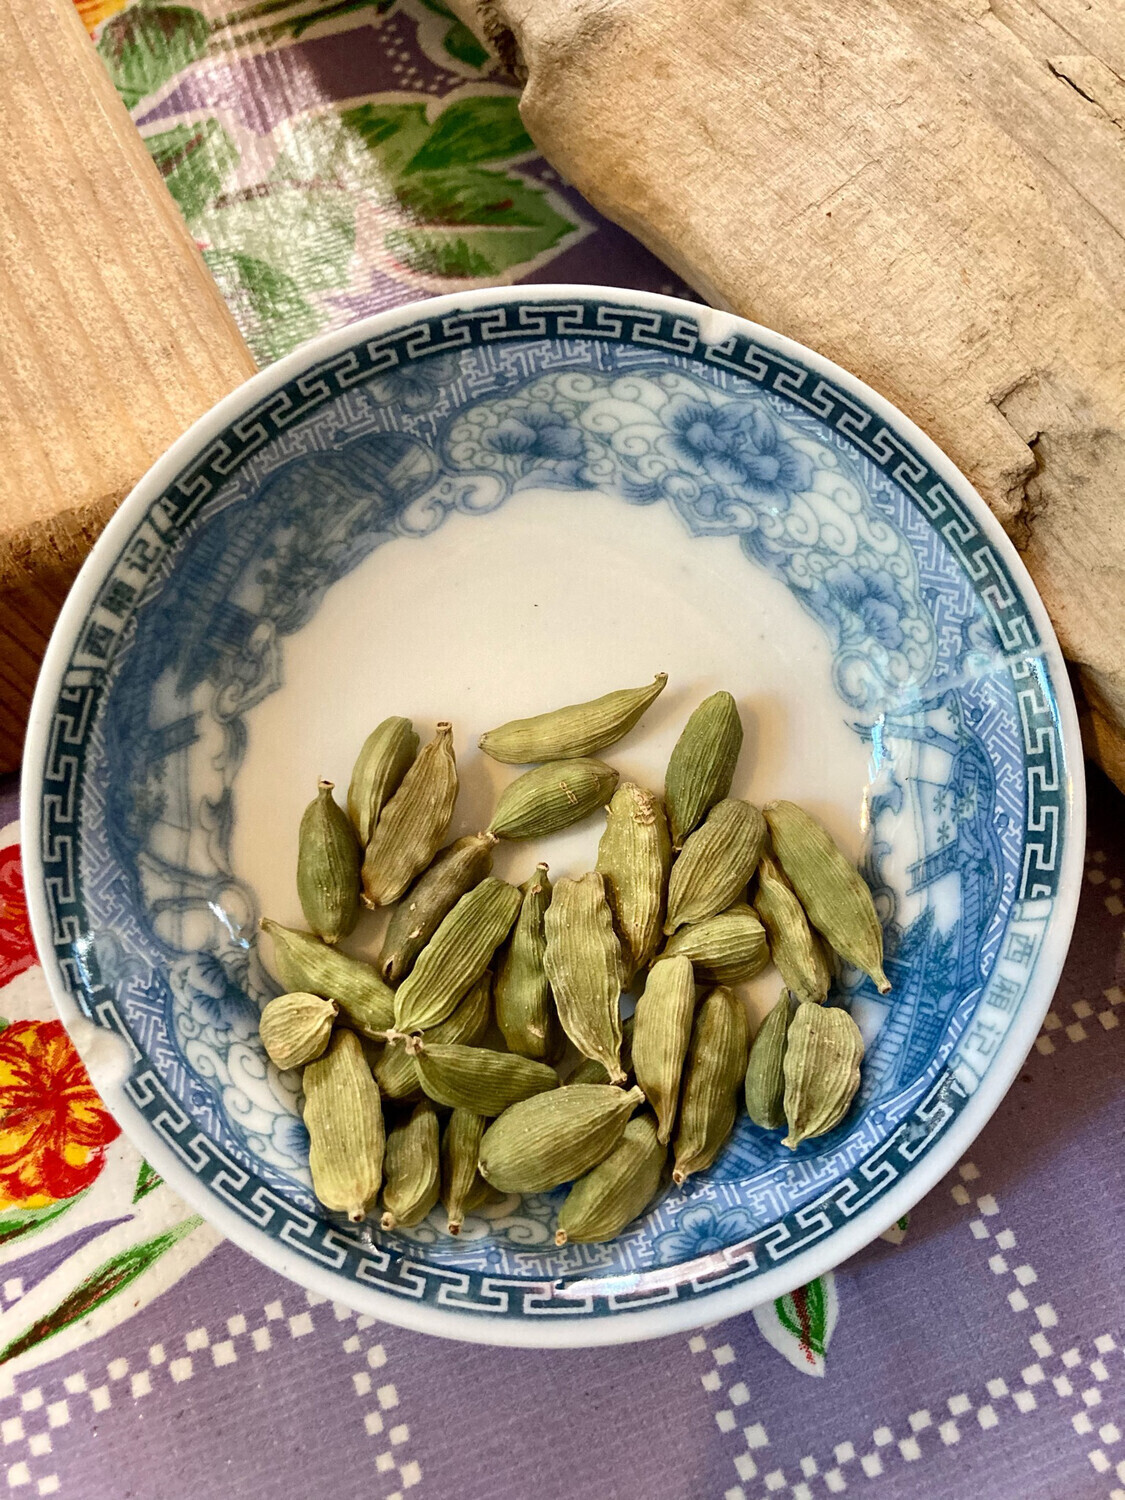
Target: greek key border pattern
x=337 y=1248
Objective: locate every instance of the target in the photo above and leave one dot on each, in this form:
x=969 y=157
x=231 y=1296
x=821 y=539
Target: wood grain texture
x=114 y=339
x=931 y=192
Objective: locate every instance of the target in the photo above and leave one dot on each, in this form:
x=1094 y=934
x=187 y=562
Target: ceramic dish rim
x=620 y=1326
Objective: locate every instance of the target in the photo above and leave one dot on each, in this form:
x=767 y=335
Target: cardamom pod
x=462 y=1186
x=413 y=823
x=793 y=945
x=713 y=1075
x=328 y=860
x=584 y=966
x=552 y=797
x=635 y=856
x=821 y=1070
x=831 y=889
x=661 y=1036
x=345 y=1123
x=725 y=949
x=525 y=1011
x=612 y=1194
x=702 y=764
x=457 y=954
x=589 y=1070
x=388 y=753
x=394 y=1069
x=295 y=1028
x=479 y=1079
x=555 y=1137
x=716 y=863
x=411 y=1168
x=823 y=962
x=303 y=962
x=765 y=1079
x=565 y=733
x=415 y=919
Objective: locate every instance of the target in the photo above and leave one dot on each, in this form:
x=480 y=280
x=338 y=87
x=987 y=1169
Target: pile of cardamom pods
x=401 y=1094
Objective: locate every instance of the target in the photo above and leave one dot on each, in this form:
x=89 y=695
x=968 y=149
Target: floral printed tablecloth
x=333 y=159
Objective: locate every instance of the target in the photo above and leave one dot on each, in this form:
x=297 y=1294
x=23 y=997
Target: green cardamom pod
x=793 y=944
x=702 y=764
x=765 y=1079
x=462 y=1186
x=635 y=856
x=412 y=1168
x=303 y=962
x=555 y=1137
x=457 y=954
x=328 y=860
x=589 y=1070
x=295 y=1028
x=388 y=753
x=415 y=919
x=716 y=863
x=525 y=1011
x=477 y=1078
x=725 y=949
x=616 y=1191
x=413 y=823
x=832 y=891
x=823 y=962
x=344 y=1120
x=584 y=965
x=661 y=1036
x=713 y=1075
x=821 y=1070
x=394 y=1069
x=550 y=798
x=565 y=733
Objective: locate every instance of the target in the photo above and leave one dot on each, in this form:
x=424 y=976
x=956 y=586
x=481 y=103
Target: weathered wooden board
x=113 y=336
x=931 y=192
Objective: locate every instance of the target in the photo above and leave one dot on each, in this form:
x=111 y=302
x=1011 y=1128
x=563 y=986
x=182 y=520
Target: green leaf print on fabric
x=109 y=1279
x=17 y=1223
x=804 y=1313
x=318 y=15
x=800 y=1325
x=194 y=161
x=273 y=21
x=485 y=127
x=457 y=41
x=266 y=303
x=147 y=45
x=147 y=1179
x=303 y=231
x=448 y=216
x=474 y=225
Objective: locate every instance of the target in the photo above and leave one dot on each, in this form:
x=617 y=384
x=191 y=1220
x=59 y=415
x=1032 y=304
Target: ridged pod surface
x=413 y=823
x=344 y=1119
x=716 y=863
x=832 y=891
x=634 y=858
x=555 y=1137
x=578 y=729
x=584 y=965
x=713 y=1081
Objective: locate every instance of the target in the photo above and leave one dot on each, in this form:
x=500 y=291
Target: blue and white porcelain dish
x=475 y=508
